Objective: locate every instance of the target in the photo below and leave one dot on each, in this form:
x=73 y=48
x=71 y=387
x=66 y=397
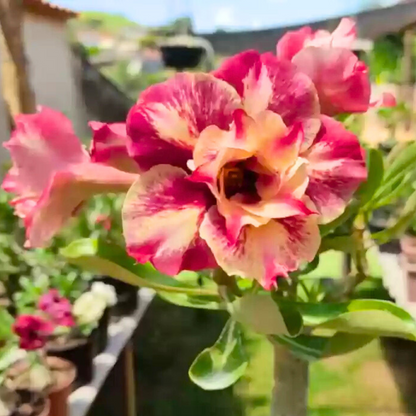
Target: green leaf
x=360 y=316
x=265 y=316
x=313 y=348
x=401 y=224
x=111 y=260
x=345 y=243
x=6 y=323
x=351 y=210
x=375 y=169
x=399 y=167
x=198 y=302
x=220 y=366
x=395 y=191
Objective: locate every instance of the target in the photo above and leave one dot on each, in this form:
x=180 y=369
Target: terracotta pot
x=38 y=405
x=80 y=352
x=64 y=374
x=46 y=409
x=408 y=246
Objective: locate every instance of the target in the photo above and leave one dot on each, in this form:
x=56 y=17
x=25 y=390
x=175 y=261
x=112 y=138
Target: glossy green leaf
x=359 y=316
x=111 y=260
x=401 y=224
x=264 y=316
x=6 y=322
x=375 y=170
x=220 y=366
x=313 y=348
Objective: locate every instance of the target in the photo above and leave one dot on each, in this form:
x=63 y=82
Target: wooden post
x=17 y=90
x=129 y=380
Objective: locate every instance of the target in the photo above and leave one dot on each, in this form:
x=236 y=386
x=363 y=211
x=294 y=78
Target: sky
x=209 y=15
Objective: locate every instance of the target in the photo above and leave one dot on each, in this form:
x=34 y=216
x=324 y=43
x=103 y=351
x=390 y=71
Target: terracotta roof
x=45 y=8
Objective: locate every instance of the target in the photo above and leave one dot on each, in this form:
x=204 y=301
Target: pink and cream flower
x=240 y=168
x=52 y=174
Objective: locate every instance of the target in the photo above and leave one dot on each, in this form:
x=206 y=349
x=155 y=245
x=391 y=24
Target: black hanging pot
x=181 y=57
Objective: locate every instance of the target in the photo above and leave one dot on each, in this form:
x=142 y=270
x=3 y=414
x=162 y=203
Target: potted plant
x=78 y=339
x=33 y=384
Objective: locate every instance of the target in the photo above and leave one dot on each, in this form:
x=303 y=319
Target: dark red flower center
x=236 y=179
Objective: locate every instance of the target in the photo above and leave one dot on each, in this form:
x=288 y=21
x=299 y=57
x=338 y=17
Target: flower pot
x=31 y=404
x=63 y=373
x=80 y=352
x=182 y=56
x=408 y=246
x=100 y=334
x=33 y=410
x=127 y=300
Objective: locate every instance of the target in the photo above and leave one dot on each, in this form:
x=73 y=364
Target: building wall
x=52 y=72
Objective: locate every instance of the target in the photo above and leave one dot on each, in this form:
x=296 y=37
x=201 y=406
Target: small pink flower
x=52 y=174
x=33 y=331
x=241 y=169
x=105 y=221
x=58 y=308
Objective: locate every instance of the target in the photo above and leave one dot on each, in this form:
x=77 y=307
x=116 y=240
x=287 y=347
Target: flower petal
x=292 y=42
x=336 y=168
x=267 y=83
x=165 y=123
x=42 y=144
x=161 y=218
x=109 y=146
x=342 y=81
x=264 y=252
x=65 y=194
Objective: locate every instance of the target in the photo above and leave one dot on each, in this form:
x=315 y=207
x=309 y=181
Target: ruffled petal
x=41 y=144
x=110 y=146
x=292 y=42
x=264 y=82
x=65 y=194
x=165 y=123
x=161 y=218
x=264 y=252
x=336 y=168
x=342 y=81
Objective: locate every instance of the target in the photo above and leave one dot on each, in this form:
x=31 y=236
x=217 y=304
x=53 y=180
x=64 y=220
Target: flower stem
x=291 y=377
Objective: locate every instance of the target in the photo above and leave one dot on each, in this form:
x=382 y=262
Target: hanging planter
x=184 y=51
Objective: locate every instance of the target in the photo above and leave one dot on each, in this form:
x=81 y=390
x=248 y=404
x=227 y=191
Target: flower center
x=235 y=178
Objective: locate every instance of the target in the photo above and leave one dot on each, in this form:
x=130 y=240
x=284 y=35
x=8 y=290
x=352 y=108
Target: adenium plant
x=246 y=175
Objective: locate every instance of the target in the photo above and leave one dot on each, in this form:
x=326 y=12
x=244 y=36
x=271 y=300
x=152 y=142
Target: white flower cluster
x=90 y=306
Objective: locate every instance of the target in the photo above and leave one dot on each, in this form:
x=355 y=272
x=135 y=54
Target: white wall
x=51 y=69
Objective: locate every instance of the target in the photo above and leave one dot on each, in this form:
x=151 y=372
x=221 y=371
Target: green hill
x=105 y=22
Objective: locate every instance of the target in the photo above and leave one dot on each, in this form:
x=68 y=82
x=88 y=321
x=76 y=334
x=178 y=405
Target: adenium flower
x=89 y=308
x=33 y=331
x=52 y=174
x=241 y=169
x=340 y=78
x=294 y=41
x=58 y=308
